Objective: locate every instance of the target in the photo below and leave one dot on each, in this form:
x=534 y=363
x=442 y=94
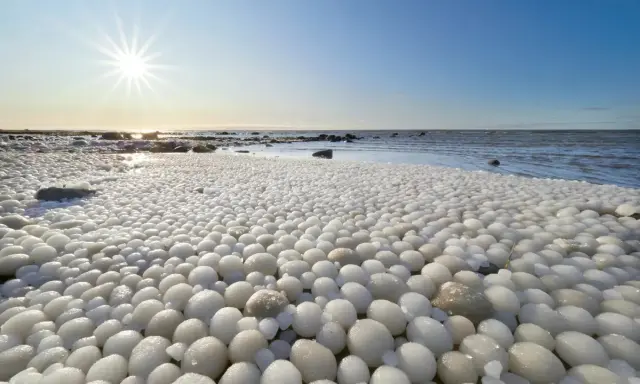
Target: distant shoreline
x=84 y=132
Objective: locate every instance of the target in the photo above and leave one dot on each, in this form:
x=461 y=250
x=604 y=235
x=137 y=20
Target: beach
x=226 y=267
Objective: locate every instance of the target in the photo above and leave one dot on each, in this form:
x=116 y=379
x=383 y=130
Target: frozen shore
x=195 y=268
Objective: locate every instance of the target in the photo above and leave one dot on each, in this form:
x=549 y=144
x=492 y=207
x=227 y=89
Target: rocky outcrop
x=494 y=162
x=59 y=194
x=325 y=154
x=116 y=136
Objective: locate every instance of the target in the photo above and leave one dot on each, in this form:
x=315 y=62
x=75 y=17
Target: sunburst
x=131 y=64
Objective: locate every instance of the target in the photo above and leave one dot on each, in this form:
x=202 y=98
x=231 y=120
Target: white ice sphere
x=245 y=344
x=202 y=275
x=74 y=330
x=192 y=378
x=333 y=336
x=543 y=316
x=237 y=294
x=417 y=361
x=341 y=311
x=414 y=305
x=358 y=295
x=621 y=347
x=206 y=356
x=307 y=319
x=281 y=372
x=241 y=373
x=189 y=331
x=181 y=250
x=389 y=314
x=493 y=369
x=223 y=324
x=387 y=374
x=122 y=343
x=437 y=272
x=65 y=375
x=610 y=323
x=145 y=311
x=164 y=323
x=20 y=324
x=344 y=256
x=594 y=374
x=387 y=286
x=203 y=305
x=459 y=327
x=533 y=333
x=84 y=358
x=502 y=299
x=576 y=348
x=42 y=360
x=353 y=370
x=482 y=350
x=369 y=339
x=177 y=350
x=247 y=323
x=497 y=331
x=535 y=363
x=165 y=373
x=352 y=273
x=111 y=368
x=147 y=355
x=430 y=333
x=314 y=361
x=455 y=367
x=268 y=327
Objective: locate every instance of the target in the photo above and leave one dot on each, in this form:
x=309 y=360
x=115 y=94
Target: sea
x=595 y=156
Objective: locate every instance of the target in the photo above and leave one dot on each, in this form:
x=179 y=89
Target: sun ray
x=123 y=35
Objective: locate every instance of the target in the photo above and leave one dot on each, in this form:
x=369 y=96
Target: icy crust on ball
x=216 y=268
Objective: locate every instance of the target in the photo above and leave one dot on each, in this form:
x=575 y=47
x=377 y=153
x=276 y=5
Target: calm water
x=602 y=157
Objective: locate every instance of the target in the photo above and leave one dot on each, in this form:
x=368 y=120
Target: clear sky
x=333 y=64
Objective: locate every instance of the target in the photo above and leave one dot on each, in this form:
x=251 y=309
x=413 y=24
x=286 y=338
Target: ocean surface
x=601 y=157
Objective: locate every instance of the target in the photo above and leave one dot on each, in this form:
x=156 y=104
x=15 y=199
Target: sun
x=133 y=66
x=130 y=62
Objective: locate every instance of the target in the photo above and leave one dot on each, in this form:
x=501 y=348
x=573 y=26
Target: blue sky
x=334 y=64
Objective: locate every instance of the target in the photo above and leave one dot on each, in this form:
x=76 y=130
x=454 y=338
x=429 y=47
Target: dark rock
x=350 y=136
x=488 y=269
x=59 y=194
x=394 y=134
x=268 y=145
x=223 y=133
x=265 y=136
x=115 y=136
x=201 y=149
x=181 y=149
x=273 y=141
x=199 y=190
x=255 y=133
x=242 y=151
x=325 y=154
x=494 y=162
x=349 y=141
x=211 y=147
x=422 y=134
x=12 y=137
x=150 y=136
x=129 y=148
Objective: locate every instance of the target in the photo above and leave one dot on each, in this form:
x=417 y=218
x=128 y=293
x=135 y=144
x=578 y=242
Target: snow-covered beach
x=231 y=268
